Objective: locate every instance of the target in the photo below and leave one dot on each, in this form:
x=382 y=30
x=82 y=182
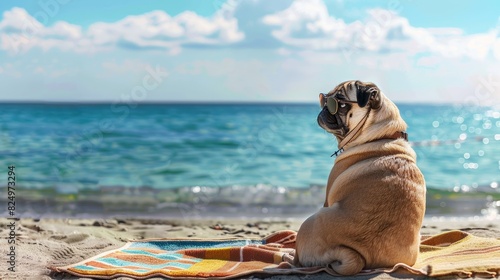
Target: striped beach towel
x=450 y=253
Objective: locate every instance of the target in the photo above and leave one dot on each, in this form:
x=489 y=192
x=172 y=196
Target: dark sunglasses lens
x=332 y=105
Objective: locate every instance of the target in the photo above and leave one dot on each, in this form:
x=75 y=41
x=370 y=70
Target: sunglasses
x=331 y=103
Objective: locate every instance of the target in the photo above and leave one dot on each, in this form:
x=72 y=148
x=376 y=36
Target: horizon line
x=201 y=102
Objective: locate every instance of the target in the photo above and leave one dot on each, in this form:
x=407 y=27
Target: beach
x=62 y=241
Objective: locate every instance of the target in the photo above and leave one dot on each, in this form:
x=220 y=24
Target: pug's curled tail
x=346 y=261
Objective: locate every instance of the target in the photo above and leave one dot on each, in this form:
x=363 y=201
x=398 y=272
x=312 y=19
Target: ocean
x=68 y=150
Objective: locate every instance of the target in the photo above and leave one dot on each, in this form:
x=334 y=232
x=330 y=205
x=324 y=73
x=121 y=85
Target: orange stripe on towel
x=99 y=264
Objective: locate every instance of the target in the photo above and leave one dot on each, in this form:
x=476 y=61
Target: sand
x=58 y=242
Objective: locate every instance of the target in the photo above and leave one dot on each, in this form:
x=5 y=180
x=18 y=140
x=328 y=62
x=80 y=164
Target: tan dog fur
x=375 y=199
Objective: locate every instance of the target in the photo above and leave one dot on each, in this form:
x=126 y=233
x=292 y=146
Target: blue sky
x=251 y=50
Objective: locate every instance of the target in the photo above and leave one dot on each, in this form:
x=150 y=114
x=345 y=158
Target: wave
x=246 y=200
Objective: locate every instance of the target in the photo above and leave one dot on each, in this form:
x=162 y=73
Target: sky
x=251 y=50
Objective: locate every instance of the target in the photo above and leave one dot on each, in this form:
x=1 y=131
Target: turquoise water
x=71 y=147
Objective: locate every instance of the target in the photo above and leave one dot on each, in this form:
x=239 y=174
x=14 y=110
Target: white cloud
x=307 y=24
x=20 y=32
x=159 y=30
x=18 y=20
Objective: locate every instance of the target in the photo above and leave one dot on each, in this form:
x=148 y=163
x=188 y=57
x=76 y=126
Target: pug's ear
x=368 y=92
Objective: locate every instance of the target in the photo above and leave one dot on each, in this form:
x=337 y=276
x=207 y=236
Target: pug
x=375 y=195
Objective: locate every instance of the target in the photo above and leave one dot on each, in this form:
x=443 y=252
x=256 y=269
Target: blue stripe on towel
x=191 y=244
x=117 y=262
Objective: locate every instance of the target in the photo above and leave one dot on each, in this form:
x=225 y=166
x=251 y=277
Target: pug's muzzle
x=331 y=123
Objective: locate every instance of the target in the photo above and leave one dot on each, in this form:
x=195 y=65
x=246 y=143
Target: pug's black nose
x=323 y=116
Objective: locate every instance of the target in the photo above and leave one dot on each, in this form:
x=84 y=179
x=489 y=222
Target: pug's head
x=346 y=105
x=360 y=111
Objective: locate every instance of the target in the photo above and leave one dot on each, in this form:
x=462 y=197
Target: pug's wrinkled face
x=349 y=97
